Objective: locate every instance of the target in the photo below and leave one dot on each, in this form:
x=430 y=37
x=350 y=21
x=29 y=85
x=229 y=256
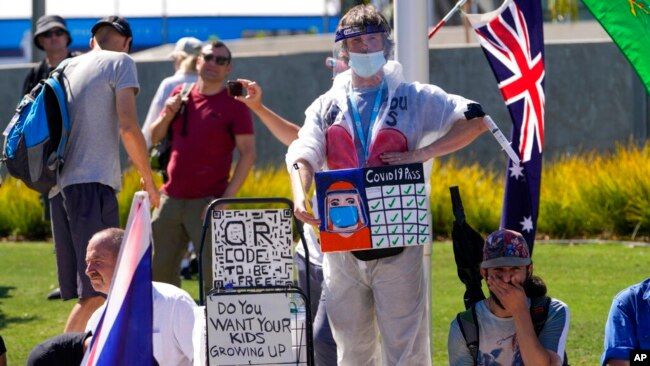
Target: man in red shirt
x=205 y=132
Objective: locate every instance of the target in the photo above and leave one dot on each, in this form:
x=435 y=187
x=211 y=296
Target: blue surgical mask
x=366 y=64
x=344 y=216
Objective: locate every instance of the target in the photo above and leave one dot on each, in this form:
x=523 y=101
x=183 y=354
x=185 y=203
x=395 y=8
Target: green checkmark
x=410 y=229
x=423 y=240
x=410 y=241
x=409 y=203
x=421 y=203
x=374 y=207
x=394 y=218
x=422 y=217
x=395 y=241
x=377 y=230
x=421 y=190
x=390 y=205
x=390 y=191
x=406 y=217
x=377 y=218
x=381 y=241
x=424 y=229
x=408 y=190
x=394 y=230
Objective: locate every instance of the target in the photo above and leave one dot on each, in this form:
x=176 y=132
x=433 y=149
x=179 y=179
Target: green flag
x=628 y=23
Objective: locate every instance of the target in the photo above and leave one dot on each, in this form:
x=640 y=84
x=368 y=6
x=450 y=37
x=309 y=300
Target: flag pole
x=446 y=18
x=412 y=51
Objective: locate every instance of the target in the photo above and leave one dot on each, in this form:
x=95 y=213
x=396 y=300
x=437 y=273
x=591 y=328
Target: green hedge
x=585 y=195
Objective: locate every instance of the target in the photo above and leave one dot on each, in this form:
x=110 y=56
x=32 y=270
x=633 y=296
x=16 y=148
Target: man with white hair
x=173 y=313
x=173 y=308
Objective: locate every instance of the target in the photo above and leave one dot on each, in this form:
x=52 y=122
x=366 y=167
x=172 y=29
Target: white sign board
x=253 y=329
x=252 y=248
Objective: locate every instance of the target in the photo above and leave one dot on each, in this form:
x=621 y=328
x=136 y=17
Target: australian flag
x=124 y=335
x=512 y=39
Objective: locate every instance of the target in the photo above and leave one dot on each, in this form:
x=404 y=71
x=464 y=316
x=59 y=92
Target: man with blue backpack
x=517 y=324
x=100 y=87
x=53 y=38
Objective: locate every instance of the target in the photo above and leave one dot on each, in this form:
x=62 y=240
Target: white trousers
x=384 y=297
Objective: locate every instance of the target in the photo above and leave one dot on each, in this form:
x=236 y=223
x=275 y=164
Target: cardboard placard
x=373 y=208
x=252 y=248
x=254 y=329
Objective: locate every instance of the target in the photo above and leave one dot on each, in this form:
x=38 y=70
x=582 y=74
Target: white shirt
x=173 y=321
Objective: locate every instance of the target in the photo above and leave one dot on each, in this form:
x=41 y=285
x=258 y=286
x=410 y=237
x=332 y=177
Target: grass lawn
x=586 y=277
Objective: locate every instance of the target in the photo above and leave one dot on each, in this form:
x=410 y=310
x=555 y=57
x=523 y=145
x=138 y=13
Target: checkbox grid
x=399 y=215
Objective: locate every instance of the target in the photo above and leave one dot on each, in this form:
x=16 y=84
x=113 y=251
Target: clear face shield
x=365 y=49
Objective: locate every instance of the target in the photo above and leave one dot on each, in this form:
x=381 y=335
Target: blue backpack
x=36 y=136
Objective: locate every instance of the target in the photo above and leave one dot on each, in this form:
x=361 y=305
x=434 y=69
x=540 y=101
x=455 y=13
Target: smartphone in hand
x=235 y=88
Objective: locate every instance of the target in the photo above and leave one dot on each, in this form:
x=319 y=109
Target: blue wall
x=148 y=32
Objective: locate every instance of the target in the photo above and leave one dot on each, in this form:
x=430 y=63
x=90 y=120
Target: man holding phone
x=235 y=88
x=205 y=134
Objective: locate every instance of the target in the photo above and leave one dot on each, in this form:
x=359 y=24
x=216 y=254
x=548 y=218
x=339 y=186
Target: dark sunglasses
x=219 y=60
x=56 y=32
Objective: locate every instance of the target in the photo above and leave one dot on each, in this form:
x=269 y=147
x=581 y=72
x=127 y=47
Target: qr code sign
x=252 y=248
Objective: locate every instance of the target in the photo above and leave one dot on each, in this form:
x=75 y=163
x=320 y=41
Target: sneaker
x=55 y=294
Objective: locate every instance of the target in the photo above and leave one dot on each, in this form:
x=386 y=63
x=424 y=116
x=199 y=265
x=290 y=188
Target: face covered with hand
x=517 y=276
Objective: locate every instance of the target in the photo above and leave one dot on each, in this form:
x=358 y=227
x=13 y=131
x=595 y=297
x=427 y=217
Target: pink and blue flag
x=512 y=39
x=124 y=332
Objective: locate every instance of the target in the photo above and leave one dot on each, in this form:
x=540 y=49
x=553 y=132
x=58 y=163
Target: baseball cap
x=505 y=248
x=49 y=22
x=186 y=46
x=120 y=24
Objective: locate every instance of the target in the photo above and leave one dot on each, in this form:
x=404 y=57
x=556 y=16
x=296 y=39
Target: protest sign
x=254 y=329
x=373 y=208
x=252 y=248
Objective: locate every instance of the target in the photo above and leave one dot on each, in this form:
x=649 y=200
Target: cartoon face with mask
x=343 y=208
